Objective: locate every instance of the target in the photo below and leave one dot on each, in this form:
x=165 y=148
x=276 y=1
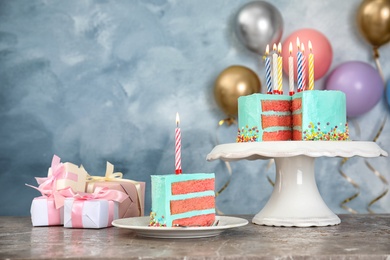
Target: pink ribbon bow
x=47 y=185
x=57 y=168
x=102 y=193
x=99 y=193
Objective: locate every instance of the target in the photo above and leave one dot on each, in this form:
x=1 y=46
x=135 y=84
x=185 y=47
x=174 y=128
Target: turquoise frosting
x=162 y=195
x=323 y=115
x=250 y=111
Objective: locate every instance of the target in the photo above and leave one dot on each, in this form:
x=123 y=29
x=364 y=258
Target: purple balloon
x=361 y=83
x=388 y=92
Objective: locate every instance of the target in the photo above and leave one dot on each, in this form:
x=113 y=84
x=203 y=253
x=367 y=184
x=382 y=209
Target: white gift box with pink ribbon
x=45 y=213
x=93 y=210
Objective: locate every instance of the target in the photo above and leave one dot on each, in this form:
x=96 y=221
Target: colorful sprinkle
x=154 y=222
x=247 y=134
x=315 y=134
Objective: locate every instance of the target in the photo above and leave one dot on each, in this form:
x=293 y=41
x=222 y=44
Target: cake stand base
x=295 y=200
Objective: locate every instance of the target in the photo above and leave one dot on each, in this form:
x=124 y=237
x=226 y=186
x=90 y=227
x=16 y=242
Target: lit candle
x=268 y=71
x=311 y=67
x=275 y=69
x=299 y=66
x=291 y=71
x=304 y=75
x=280 y=70
x=177 y=146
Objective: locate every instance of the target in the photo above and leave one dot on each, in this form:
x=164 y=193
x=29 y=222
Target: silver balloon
x=258 y=24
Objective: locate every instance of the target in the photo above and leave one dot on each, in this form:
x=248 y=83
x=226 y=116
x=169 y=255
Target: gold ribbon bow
x=117 y=176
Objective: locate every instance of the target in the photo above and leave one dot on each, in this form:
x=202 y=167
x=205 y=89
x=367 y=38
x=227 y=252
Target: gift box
x=64 y=175
x=133 y=205
x=44 y=212
x=96 y=213
x=93 y=210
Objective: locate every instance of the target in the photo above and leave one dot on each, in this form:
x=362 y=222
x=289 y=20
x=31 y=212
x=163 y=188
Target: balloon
x=233 y=82
x=361 y=83
x=258 y=24
x=322 y=51
x=373 y=19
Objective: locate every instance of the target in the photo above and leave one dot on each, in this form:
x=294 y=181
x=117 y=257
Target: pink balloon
x=322 y=51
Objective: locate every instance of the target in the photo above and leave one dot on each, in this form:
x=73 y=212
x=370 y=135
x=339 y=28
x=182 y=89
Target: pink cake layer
x=276 y=105
x=296 y=104
x=200 y=203
x=277 y=136
x=202 y=220
x=297 y=120
x=185 y=187
x=297 y=135
x=275 y=120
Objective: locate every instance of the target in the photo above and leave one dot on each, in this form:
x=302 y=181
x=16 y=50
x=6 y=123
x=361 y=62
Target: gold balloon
x=233 y=82
x=373 y=19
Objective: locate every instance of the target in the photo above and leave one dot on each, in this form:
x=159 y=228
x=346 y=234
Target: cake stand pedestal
x=295 y=200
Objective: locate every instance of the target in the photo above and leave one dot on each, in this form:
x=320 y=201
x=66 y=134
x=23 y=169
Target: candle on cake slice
x=280 y=70
x=180 y=199
x=275 y=70
x=268 y=71
x=299 y=66
x=304 y=75
x=177 y=146
x=311 y=67
x=291 y=71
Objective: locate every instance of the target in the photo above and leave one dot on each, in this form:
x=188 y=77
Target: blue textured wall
x=97 y=81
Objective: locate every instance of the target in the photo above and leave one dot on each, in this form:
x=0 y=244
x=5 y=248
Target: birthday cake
x=306 y=116
x=183 y=200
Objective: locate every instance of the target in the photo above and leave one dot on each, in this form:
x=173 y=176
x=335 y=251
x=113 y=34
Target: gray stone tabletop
x=357 y=237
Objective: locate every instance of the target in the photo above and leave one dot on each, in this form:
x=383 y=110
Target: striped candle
x=268 y=71
x=291 y=71
x=177 y=146
x=304 y=75
x=299 y=67
x=280 y=69
x=311 y=67
x=275 y=69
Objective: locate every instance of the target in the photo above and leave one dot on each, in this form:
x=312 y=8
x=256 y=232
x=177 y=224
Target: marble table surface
x=357 y=237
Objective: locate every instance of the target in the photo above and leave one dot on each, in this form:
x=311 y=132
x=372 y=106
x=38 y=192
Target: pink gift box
x=133 y=206
x=97 y=213
x=44 y=212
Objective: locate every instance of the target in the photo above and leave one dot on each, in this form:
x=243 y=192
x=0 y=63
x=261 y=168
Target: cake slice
x=183 y=200
x=264 y=117
x=319 y=115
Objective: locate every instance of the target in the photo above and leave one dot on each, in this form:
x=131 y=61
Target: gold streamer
x=228 y=121
x=353 y=183
x=378 y=65
x=384 y=181
x=377 y=173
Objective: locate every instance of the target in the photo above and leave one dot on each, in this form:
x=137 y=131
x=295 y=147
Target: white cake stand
x=295 y=200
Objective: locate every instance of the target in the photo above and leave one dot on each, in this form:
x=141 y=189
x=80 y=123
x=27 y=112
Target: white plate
x=140 y=226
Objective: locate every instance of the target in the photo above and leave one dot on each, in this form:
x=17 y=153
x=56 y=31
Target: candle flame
x=267 y=50
x=274 y=47
x=177 y=119
x=290 y=48
x=298 y=43
x=310 y=47
x=302 y=47
x=280 y=48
